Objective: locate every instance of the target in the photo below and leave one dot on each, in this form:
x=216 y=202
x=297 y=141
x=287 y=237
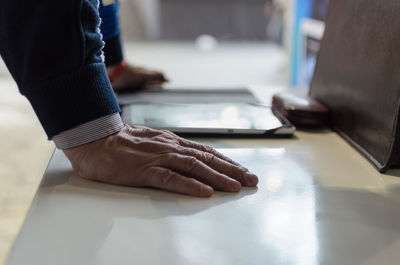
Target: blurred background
x=264 y=45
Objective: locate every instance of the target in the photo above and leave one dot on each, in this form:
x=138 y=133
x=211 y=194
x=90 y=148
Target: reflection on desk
x=318 y=202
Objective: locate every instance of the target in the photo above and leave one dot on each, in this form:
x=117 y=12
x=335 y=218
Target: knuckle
x=164 y=138
x=169 y=133
x=167 y=149
x=159 y=138
x=165 y=132
x=167 y=178
x=177 y=149
x=182 y=150
x=209 y=149
x=207 y=157
x=191 y=163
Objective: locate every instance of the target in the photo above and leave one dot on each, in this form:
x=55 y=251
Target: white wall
x=139 y=19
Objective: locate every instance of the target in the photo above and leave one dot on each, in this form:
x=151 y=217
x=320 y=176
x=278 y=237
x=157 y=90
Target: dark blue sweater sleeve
x=109 y=15
x=53 y=50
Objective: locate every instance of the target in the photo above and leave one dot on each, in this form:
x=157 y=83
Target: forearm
x=53 y=51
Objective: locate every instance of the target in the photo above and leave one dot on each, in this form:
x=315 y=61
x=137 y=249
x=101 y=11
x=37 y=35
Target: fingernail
x=234 y=185
x=251 y=179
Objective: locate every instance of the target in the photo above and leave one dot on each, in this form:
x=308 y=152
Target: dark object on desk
x=300 y=109
x=357 y=76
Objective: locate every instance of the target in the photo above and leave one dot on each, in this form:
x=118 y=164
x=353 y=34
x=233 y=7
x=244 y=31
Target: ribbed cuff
x=89 y=132
x=73 y=99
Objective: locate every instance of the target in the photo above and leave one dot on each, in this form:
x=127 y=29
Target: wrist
x=115 y=70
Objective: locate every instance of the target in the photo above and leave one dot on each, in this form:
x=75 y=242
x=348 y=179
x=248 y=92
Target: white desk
x=318 y=202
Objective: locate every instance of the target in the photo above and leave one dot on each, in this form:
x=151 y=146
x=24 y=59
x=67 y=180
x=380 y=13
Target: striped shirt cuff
x=89 y=132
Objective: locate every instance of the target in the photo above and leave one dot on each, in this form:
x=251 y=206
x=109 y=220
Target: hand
x=143 y=157
x=134 y=78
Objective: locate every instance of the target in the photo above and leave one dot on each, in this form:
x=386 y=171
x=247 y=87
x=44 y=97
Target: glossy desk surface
x=318 y=202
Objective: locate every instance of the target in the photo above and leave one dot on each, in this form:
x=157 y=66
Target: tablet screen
x=194 y=117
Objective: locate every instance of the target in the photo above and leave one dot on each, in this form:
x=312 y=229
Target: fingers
x=154 y=83
x=157 y=76
x=156 y=79
x=163 y=142
x=205 y=148
x=211 y=167
x=233 y=171
x=191 y=167
x=236 y=172
x=169 y=180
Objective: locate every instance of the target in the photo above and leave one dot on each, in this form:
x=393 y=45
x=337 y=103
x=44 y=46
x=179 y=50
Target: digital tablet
x=208 y=118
